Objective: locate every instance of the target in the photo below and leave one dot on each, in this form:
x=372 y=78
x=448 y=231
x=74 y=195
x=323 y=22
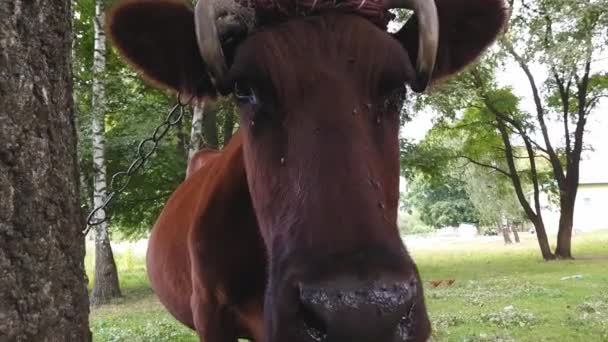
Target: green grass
x=489 y=278
x=137 y=316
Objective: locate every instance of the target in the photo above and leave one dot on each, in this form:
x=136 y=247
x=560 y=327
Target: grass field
x=500 y=293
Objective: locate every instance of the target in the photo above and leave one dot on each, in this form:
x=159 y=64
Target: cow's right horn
x=428 y=38
x=209 y=41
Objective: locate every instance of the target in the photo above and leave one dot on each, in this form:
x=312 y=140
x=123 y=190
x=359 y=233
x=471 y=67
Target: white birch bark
x=98 y=117
x=105 y=286
x=196 y=133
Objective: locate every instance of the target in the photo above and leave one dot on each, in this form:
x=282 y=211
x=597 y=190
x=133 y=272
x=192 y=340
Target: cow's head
x=319 y=100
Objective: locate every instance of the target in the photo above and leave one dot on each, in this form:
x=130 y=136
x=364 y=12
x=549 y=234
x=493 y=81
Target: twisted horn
x=428 y=39
x=209 y=41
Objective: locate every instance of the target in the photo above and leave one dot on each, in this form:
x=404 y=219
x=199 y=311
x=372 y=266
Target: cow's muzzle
x=359 y=312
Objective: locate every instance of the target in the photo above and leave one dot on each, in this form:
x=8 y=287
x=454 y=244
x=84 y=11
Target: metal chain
x=147 y=147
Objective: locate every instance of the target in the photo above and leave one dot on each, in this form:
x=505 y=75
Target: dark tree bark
x=563 y=249
x=106 y=286
x=543 y=240
x=210 y=129
x=43 y=285
x=182 y=141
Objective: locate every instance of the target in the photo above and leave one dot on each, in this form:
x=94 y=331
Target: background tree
x=479 y=126
x=564 y=39
x=494 y=199
x=105 y=282
x=44 y=294
x=564 y=88
x=441 y=202
x=196 y=133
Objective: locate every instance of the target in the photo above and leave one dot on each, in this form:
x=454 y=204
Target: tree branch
x=515 y=176
x=593 y=102
x=564 y=94
x=495 y=168
x=575 y=156
x=558 y=169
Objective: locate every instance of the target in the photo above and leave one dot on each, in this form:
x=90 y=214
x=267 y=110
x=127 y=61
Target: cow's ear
x=158 y=38
x=466 y=29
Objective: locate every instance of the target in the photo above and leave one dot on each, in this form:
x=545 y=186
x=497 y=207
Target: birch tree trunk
x=196 y=133
x=105 y=283
x=182 y=142
x=43 y=285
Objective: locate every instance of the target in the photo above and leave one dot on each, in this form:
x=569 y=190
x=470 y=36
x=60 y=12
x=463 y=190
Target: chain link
x=145 y=149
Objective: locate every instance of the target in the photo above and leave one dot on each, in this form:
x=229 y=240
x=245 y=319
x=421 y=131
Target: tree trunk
x=196 y=133
x=182 y=145
x=43 y=285
x=228 y=127
x=543 y=240
x=515 y=233
x=564 y=234
x=105 y=283
x=210 y=130
x=505 y=234
x=534 y=216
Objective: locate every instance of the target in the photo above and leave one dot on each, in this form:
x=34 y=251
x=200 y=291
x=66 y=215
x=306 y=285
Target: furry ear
x=466 y=29
x=158 y=38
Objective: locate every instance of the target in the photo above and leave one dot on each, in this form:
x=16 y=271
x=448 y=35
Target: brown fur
x=199 y=159
x=467 y=28
x=307 y=191
x=207 y=222
x=166 y=27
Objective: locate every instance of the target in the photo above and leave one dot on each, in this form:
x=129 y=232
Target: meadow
x=499 y=293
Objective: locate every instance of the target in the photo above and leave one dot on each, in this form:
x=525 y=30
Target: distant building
x=591 y=208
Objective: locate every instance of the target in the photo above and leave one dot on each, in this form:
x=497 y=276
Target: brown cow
x=289 y=234
x=199 y=159
x=227 y=246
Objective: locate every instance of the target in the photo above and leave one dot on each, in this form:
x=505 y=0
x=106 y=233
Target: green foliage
x=411 y=223
x=441 y=203
x=133 y=111
x=493 y=197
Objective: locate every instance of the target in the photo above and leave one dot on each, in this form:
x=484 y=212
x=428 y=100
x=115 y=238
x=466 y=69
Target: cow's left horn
x=428 y=38
x=209 y=41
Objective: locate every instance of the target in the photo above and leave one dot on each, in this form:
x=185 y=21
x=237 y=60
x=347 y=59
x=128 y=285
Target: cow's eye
x=245 y=94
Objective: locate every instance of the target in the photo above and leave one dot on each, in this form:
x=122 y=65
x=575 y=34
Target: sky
x=594 y=166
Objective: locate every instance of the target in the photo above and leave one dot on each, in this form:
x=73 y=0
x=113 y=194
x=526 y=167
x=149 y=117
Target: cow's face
x=319 y=101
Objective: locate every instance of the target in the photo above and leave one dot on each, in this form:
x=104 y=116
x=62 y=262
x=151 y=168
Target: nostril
x=406 y=323
x=313 y=323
